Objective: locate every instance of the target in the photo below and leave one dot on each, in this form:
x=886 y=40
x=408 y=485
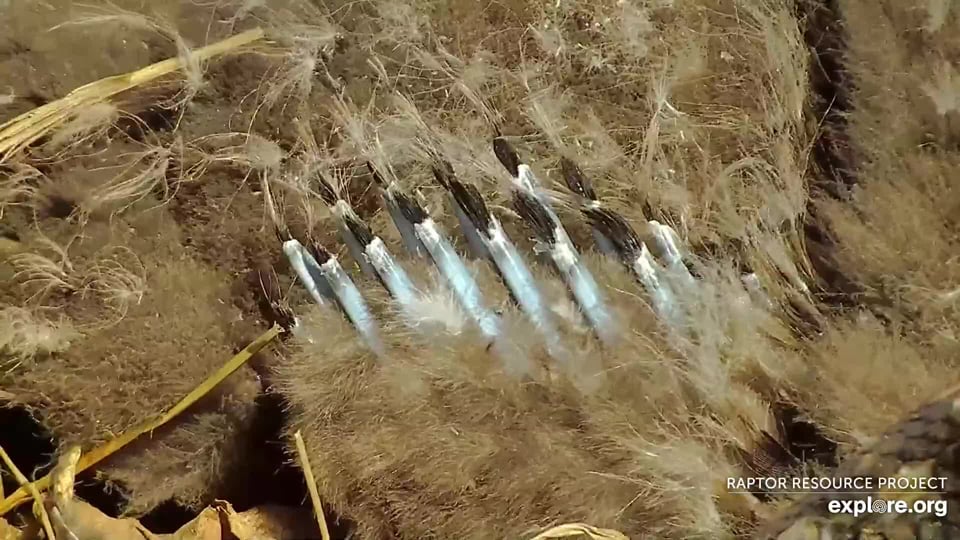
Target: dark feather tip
x=532 y=210
x=409 y=208
x=507 y=155
x=325 y=189
x=282 y=233
x=270 y=301
x=470 y=200
x=319 y=252
x=614 y=227
x=648 y=209
x=359 y=229
x=376 y=175
x=443 y=172
x=575 y=179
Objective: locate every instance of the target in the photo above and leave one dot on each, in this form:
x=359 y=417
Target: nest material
x=112 y=379
x=435 y=440
x=922 y=445
x=432 y=440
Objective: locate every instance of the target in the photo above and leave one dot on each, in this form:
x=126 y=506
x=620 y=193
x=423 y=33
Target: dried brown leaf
x=262 y=523
x=85 y=521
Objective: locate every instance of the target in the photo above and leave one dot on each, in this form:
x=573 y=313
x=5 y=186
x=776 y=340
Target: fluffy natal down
x=541 y=263
x=437 y=439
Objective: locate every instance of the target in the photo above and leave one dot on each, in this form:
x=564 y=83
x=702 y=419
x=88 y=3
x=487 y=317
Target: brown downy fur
x=922 y=443
x=134 y=237
x=895 y=236
x=686 y=112
x=892 y=233
x=121 y=288
x=432 y=441
x=436 y=441
x=147 y=324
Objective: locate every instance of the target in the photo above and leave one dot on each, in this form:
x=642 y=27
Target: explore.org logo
x=869 y=505
x=855 y=495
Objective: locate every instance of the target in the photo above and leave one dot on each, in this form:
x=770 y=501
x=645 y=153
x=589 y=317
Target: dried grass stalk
x=64 y=476
x=32 y=490
x=311 y=485
x=20 y=132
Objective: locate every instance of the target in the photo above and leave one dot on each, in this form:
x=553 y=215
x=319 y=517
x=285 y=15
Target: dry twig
x=311 y=486
x=64 y=476
x=20 y=132
x=25 y=484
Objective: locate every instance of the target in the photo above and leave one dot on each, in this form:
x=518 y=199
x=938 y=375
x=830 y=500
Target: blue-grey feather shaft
x=356 y=250
x=315 y=284
x=667 y=240
x=604 y=245
x=524 y=288
x=394 y=277
x=458 y=277
x=564 y=256
x=405 y=227
x=474 y=243
x=350 y=300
